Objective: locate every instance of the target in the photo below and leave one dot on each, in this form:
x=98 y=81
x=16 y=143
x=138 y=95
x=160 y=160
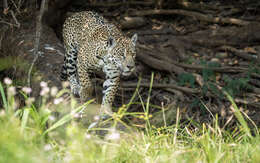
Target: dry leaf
x=250 y=50
x=218 y=76
x=5 y=10
x=196 y=55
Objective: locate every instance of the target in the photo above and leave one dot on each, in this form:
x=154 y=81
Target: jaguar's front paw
x=106 y=110
x=75 y=91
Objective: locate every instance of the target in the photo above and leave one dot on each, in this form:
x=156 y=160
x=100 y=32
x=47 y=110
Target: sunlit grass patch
x=15 y=146
x=33 y=133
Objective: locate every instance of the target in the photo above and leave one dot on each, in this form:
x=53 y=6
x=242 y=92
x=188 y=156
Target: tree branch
x=37 y=39
x=238 y=53
x=196 y=15
x=155 y=85
x=115 y=4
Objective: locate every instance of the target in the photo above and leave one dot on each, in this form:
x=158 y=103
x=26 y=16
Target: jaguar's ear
x=134 y=39
x=111 y=43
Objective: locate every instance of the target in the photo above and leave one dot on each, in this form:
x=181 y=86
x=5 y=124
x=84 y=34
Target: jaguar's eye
x=111 y=43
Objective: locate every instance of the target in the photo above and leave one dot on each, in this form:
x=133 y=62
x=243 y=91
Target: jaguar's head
x=123 y=53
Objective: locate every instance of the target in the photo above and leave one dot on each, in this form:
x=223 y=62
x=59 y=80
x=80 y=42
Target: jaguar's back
x=86 y=25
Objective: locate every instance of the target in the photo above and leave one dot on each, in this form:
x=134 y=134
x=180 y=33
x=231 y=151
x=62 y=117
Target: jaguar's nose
x=130 y=67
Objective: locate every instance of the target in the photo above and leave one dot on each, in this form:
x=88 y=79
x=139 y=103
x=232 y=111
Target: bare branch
x=15 y=6
x=6 y=9
x=115 y=4
x=37 y=39
x=238 y=53
x=15 y=20
x=157 y=85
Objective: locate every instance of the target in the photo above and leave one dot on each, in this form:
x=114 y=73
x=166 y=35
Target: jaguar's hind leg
x=64 y=75
x=70 y=65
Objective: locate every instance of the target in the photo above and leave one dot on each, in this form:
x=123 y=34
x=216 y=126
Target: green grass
x=31 y=134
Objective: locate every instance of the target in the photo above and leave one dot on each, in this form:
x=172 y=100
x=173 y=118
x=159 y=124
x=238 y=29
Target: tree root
x=196 y=15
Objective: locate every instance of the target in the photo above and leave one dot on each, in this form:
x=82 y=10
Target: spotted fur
x=93 y=44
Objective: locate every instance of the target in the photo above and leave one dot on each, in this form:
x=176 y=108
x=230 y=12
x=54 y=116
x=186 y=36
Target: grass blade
x=67 y=117
x=149 y=93
x=3 y=97
x=148 y=101
x=239 y=115
x=25 y=116
x=134 y=95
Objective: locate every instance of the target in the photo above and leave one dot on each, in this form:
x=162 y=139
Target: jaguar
x=94 y=44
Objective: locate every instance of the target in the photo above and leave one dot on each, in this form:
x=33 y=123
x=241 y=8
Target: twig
x=249 y=99
x=6 y=8
x=217 y=69
x=197 y=6
x=15 y=20
x=238 y=53
x=157 y=85
x=4 y=22
x=37 y=40
x=15 y=6
x=207 y=18
x=227 y=122
x=19 y=4
x=178 y=93
x=247 y=102
x=115 y=4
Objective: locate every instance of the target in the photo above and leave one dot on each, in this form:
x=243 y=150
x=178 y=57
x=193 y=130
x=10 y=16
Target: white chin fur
x=127 y=73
